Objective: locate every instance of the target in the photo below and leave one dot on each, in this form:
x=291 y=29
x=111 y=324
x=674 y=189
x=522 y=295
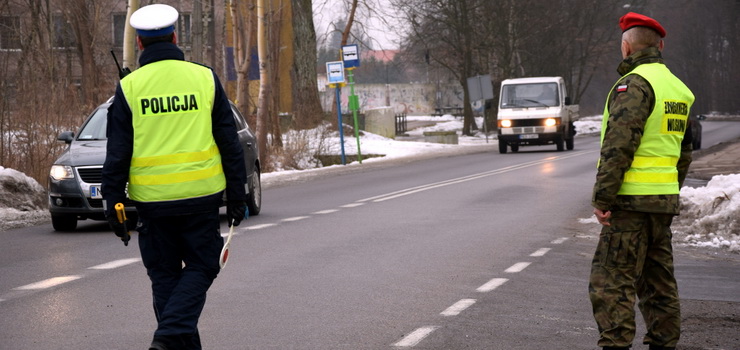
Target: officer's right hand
x=235 y=212
x=119 y=228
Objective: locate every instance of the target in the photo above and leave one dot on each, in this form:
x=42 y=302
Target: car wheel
x=501 y=146
x=514 y=147
x=559 y=144
x=64 y=222
x=254 y=198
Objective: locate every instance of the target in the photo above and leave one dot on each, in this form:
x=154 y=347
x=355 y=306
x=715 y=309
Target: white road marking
x=492 y=284
x=257 y=227
x=327 y=211
x=458 y=307
x=114 y=264
x=415 y=337
x=295 y=218
x=352 y=205
x=540 y=252
x=518 y=267
x=48 y=283
x=559 y=240
x=412 y=190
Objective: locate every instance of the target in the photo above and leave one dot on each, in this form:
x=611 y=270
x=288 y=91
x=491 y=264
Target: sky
x=384 y=38
x=710 y=215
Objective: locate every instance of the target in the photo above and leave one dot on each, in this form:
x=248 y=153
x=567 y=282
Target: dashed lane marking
x=559 y=240
x=327 y=211
x=352 y=205
x=540 y=252
x=114 y=264
x=458 y=307
x=415 y=337
x=257 y=227
x=295 y=218
x=492 y=284
x=518 y=267
x=48 y=283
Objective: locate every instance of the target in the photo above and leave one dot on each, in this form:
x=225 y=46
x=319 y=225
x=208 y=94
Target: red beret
x=637 y=20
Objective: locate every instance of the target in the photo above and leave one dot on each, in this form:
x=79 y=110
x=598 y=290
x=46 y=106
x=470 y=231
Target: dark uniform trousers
x=166 y=244
x=634 y=256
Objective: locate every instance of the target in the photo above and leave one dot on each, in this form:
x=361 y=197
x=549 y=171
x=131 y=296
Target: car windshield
x=95 y=127
x=530 y=95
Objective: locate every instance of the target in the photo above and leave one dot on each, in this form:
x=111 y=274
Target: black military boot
x=658 y=347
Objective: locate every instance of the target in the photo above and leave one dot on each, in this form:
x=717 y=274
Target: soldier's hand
x=603 y=216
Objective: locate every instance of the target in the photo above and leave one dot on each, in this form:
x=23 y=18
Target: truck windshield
x=530 y=95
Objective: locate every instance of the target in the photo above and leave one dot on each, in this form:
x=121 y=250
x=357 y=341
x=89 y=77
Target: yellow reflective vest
x=653 y=170
x=174 y=154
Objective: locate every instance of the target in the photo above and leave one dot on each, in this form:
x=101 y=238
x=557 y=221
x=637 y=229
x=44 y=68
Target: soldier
x=645 y=155
x=172 y=136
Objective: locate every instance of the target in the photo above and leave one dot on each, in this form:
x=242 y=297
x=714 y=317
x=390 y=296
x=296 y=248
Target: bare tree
x=307 y=110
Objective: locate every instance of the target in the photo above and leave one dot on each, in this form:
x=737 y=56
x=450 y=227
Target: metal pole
x=339 y=124
x=354 y=106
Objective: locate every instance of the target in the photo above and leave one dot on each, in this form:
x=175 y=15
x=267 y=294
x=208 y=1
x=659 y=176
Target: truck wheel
x=64 y=222
x=559 y=144
x=569 y=143
x=501 y=146
x=514 y=147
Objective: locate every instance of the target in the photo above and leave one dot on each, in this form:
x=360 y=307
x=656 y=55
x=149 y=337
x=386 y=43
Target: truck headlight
x=506 y=123
x=61 y=172
x=550 y=122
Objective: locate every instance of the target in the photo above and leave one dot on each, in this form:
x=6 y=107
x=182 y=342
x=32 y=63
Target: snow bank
x=22 y=200
x=710 y=215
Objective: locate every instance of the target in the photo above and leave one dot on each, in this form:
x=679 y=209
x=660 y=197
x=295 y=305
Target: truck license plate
x=529 y=136
x=95 y=192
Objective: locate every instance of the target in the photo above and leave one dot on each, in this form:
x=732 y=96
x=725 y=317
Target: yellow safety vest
x=653 y=170
x=174 y=153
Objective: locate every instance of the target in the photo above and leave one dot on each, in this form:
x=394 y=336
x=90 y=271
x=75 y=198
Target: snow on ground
x=710 y=215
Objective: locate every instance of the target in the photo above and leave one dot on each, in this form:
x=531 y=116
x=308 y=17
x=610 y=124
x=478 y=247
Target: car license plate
x=529 y=136
x=95 y=192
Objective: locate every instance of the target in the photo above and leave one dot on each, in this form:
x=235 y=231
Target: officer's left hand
x=119 y=228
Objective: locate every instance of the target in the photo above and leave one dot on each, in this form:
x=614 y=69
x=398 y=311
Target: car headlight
x=506 y=123
x=550 y=122
x=61 y=172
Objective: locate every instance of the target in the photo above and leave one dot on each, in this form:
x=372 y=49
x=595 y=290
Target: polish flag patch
x=621 y=88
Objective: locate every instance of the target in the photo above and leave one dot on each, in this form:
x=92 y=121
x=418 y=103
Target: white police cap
x=154 y=20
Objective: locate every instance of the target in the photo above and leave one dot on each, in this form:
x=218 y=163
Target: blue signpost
x=335 y=76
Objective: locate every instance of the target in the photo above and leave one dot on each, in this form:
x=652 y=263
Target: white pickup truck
x=535 y=111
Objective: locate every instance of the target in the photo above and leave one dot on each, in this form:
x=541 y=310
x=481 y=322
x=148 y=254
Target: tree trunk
x=307 y=111
x=262 y=102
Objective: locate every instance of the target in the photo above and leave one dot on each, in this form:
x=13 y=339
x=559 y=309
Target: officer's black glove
x=236 y=211
x=119 y=228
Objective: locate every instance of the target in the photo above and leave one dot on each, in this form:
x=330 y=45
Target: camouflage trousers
x=634 y=257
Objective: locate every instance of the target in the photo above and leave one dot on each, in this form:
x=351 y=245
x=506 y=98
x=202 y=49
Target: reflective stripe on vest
x=174 y=154
x=653 y=170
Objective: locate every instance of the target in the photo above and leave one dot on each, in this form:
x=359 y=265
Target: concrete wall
x=412 y=99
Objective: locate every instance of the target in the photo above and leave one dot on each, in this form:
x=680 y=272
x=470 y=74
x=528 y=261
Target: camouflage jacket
x=628 y=112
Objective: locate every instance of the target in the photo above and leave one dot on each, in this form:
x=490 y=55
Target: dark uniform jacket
x=120 y=148
x=628 y=112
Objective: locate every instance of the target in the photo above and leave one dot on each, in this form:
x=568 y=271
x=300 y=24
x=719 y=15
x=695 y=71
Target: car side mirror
x=567 y=100
x=66 y=136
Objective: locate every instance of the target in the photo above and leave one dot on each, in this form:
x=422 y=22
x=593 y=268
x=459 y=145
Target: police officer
x=645 y=155
x=172 y=137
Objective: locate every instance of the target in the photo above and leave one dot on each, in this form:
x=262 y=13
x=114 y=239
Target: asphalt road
x=477 y=250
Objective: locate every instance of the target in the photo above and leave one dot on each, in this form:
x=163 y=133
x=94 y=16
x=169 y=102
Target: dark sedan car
x=75 y=177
